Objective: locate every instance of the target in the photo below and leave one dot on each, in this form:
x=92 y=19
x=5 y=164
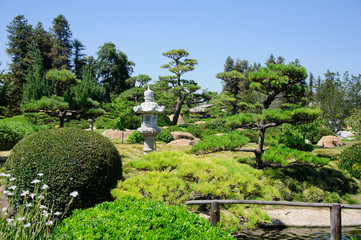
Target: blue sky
x=322 y=34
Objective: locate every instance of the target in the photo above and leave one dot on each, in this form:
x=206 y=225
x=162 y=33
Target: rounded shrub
x=135 y=137
x=165 y=136
x=70 y=160
x=350 y=160
x=129 y=218
x=12 y=130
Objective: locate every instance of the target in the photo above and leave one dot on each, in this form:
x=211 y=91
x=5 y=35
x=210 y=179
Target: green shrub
x=163 y=120
x=12 y=130
x=71 y=160
x=132 y=219
x=226 y=142
x=285 y=155
x=291 y=139
x=174 y=177
x=135 y=137
x=314 y=194
x=164 y=136
x=350 y=160
x=104 y=122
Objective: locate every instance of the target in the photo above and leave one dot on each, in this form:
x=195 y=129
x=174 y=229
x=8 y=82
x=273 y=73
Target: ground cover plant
x=129 y=218
x=71 y=160
x=174 y=177
x=350 y=160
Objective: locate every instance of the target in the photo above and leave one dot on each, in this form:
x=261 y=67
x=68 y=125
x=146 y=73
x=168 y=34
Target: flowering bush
x=32 y=219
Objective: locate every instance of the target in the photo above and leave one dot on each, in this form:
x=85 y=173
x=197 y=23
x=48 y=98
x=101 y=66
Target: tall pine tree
x=62 y=45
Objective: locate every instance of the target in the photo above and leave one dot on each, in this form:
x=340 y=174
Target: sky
x=322 y=34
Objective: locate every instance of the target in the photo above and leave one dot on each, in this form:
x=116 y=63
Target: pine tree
x=44 y=41
x=79 y=60
x=36 y=85
x=20 y=36
x=62 y=44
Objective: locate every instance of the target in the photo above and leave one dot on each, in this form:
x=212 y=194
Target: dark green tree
x=229 y=64
x=275 y=81
x=44 y=41
x=62 y=44
x=61 y=80
x=36 y=85
x=114 y=69
x=310 y=87
x=182 y=89
x=271 y=60
x=20 y=36
x=79 y=60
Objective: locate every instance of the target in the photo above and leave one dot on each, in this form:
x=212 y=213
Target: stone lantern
x=149 y=110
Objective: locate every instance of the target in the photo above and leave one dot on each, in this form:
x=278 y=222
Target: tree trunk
x=177 y=111
x=259 y=151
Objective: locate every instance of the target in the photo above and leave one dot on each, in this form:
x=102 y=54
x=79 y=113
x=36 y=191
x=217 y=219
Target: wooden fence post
x=214 y=213
x=335 y=216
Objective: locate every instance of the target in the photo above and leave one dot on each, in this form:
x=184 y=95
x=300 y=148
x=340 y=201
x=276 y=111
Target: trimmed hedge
x=71 y=160
x=129 y=218
x=350 y=160
x=12 y=130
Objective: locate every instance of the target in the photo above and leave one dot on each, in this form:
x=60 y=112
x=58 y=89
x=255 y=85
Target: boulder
x=182 y=142
x=330 y=141
x=117 y=134
x=180 y=119
x=182 y=135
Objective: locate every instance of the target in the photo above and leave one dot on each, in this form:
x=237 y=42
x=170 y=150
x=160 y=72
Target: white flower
x=57 y=213
x=27 y=225
x=49 y=223
x=4 y=209
x=44 y=187
x=5 y=192
x=40 y=197
x=43 y=207
x=45 y=213
x=74 y=194
x=10 y=193
x=12 y=187
x=24 y=193
x=32 y=195
x=4 y=175
x=9 y=220
x=28 y=205
x=21 y=219
x=40 y=174
x=35 y=181
x=12 y=179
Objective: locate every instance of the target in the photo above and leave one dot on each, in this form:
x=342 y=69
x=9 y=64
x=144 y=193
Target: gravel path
x=311 y=217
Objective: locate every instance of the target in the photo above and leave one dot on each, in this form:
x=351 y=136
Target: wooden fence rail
x=335 y=210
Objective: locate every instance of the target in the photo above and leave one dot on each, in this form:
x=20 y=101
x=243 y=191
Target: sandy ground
x=311 y=217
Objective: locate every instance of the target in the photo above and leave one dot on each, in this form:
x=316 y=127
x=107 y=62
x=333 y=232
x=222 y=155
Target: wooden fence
x=335 y=210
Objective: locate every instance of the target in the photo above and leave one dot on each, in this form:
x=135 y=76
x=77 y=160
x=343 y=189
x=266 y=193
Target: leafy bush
x=174 y=177
x=163 y=120
x=71 y=160
x=104 y=122
x=129 y=218
x=164 y=136
x=135 y=137
x=350 y=160
x=12 y=130
x=290 y=138
x=284 y=156
x=214 y=143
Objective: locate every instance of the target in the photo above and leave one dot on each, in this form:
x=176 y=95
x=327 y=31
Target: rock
x=182 y=135
x=117 y=134
x=180 y=119
x=200 y=122
x=344 y=134
x=330 y=141
x=182 y=142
